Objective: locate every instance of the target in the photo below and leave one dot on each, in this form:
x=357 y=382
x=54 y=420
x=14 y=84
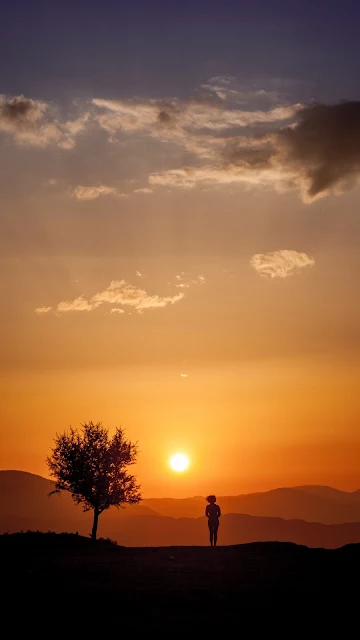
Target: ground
x=174 y=589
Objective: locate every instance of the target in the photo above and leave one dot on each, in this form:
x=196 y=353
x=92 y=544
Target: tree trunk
x=95 y=524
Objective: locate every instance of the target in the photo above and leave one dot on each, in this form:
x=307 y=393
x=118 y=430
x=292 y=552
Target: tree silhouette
x=91 y=465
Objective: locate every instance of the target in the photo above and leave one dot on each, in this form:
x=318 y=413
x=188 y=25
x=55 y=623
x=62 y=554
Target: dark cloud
x=325 y=144
x=165 y=118
x=318 y=153
x=35 y=123
x=20 y=111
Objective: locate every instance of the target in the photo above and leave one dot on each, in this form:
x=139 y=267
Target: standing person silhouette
x=213 y=513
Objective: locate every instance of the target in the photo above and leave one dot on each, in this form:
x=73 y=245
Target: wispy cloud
x=203 y=124
x=122 y=294
x=92 y=192
x=184 y=281
x=198 y=113
x=190 y=177
x=227 y=88
x=78 y=304
x=71 y=129
x=222 y=79
x=144 y=190
x=280 y=264
x=41 y=310
x=119 y=292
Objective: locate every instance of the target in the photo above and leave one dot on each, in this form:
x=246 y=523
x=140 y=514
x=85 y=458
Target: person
x=213 y=513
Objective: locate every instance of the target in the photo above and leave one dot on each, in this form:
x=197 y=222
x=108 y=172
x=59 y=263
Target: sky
x=179 y=190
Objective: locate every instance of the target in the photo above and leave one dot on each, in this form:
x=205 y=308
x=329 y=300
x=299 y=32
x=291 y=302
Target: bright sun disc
x=179 y=462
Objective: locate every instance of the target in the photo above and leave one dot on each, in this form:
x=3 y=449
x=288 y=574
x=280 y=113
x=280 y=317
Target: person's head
x=211 y=499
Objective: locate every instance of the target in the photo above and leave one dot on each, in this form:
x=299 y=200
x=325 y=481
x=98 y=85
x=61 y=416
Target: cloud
x=93 y=192
x=24 y=119
x=187 y=282
x=323 y=149
x=189 y=177
x=228 y=90
x=35 y=123
x=144 y=190
x=120 y=292
x=183 y=375
x=230 y=135
x=79 y=304
x=71 y=129
x=222 y=79
x=318 y=154
x=280 y=264
x=194 y=114
x=139 y=274
x=20 y=113
x=123 y=294
x=41 y=310
x=202 y=124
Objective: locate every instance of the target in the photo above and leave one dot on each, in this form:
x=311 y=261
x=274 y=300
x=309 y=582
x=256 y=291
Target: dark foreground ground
x=75 y=584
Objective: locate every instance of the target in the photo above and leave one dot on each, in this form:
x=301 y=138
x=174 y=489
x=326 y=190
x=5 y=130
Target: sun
x=179 y=462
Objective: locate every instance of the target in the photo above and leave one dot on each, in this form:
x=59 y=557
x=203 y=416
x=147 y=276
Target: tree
x=91 y=465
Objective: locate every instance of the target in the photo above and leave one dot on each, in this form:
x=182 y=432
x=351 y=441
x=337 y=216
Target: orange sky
x=244 y=428
x=212 y=311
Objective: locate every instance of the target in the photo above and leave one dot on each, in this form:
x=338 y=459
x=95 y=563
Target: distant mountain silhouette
x=25 y=505
x=311 y=503
x=24 y=497
x=138 y=531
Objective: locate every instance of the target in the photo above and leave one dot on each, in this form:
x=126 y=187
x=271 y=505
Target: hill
x=25 y=496
x=234 y=529
x=25 y=505
x=311 y=503
x=175 y=590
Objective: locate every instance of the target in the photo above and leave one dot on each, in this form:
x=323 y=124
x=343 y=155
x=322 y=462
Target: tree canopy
x=92 y=466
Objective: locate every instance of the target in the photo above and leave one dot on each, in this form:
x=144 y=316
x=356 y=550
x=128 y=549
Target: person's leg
x=216 y=526
x=211 y=530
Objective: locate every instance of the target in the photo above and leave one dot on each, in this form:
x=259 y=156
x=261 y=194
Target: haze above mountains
x=310 y=515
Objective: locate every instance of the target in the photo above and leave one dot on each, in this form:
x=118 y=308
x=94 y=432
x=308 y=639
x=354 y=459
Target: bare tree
x=91 y=465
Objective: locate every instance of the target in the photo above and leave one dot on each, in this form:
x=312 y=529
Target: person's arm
x=219 y=512
x=206 y=511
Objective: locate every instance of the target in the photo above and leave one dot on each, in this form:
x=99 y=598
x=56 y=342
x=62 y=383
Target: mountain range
x=310 y=515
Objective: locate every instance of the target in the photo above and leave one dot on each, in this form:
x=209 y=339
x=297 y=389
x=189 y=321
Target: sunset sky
x=180 y=201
